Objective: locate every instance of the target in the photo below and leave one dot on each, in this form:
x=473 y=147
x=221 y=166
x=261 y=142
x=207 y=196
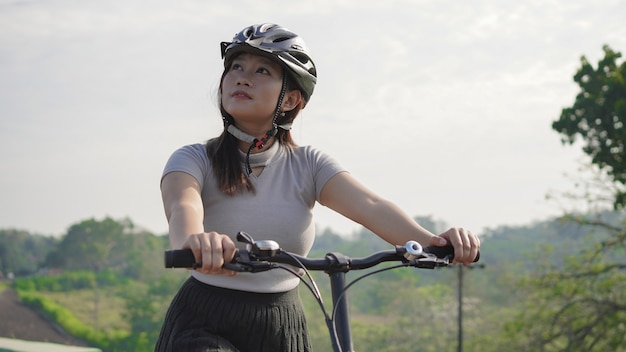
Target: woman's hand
x=212 y=250
x=465 y=243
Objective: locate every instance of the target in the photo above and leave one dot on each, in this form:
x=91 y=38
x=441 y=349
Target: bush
x=71 y=324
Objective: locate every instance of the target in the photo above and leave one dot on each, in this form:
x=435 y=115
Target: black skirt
x=210 y=319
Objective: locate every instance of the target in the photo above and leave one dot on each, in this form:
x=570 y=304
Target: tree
x=578 y=291
x=91 y=245
x=579 y=302
x=598 y=116
x=21 y=252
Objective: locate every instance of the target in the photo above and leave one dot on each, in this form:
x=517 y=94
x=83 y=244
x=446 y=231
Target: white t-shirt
x=280 y=210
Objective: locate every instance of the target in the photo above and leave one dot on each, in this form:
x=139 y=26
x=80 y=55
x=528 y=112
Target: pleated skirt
x=210 y=319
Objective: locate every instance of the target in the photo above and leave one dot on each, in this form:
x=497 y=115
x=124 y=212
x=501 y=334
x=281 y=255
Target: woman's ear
x=291 y=100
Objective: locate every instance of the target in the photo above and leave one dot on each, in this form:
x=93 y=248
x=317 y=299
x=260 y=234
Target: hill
x=20 y=322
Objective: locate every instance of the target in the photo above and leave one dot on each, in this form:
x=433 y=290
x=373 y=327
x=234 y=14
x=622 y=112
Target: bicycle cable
x=330 y=320
x=317 y=293
x=318 y=298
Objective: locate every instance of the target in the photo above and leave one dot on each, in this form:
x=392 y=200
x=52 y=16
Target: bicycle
x=266 y=255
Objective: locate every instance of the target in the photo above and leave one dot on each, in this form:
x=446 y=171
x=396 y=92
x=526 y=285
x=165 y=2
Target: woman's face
x=251 y=87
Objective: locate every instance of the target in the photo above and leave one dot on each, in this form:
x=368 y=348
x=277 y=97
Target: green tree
x=89 y=245
x=113 y=250
x=114 y=245
x=22 y=253
x=146 y=306
x=598 y=116
x=586 y=296
x=578 y=304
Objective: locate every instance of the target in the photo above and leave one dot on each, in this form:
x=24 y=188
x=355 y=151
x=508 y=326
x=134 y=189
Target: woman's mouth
x=241 y=94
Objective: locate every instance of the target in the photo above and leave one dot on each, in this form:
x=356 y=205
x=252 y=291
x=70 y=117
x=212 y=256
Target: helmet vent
x=266 y=27
x=300 y=57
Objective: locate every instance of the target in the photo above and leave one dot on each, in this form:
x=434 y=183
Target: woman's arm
x=183 y=206
x=347 y=196
x=185 y=215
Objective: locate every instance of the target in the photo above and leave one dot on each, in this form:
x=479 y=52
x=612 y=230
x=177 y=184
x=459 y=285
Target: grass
x=102 y=310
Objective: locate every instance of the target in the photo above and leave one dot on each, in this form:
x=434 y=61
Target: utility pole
x=460 y=299
x=460 y=313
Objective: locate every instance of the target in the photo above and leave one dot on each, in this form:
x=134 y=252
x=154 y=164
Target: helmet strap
x=256 y=143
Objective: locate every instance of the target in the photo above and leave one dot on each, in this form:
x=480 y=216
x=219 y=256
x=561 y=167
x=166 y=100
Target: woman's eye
x=235 y=67
x=263 y=71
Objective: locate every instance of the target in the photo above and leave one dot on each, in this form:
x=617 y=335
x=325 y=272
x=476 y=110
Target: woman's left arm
x=345 y=195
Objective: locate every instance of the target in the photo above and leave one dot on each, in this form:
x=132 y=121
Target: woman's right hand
x=212 y=250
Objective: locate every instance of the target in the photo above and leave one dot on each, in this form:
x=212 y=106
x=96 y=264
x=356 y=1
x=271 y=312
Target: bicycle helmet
x=278 y=43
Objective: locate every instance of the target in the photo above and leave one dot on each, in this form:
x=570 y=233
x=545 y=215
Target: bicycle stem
x=342 y=322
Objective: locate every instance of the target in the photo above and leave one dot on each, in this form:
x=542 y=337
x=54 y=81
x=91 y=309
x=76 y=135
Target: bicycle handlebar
x=264 y=255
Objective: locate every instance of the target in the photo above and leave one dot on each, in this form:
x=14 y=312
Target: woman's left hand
x=465 y=243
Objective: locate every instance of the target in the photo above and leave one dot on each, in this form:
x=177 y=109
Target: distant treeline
x=104 y=282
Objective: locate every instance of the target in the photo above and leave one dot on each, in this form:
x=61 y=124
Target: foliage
x=579 y=303
x=423 y=323
x=20 y=251
x=132 y=311
x=146 y=306
x=69 y=322
x=115 y=245
x=598 y=116
x=105 y=257
x=70 y=280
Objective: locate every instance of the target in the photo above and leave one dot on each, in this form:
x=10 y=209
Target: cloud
x=432 y=104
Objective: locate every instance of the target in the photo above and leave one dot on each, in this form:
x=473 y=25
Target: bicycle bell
x=413 y=250
x=265 y=248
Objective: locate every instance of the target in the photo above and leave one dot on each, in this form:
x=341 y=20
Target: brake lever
x=430 y=261
x=252 y=267
x=243 y=264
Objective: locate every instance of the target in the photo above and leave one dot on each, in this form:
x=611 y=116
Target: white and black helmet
x=279 y=43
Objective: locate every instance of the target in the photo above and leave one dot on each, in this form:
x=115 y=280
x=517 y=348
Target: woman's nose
x=243 y=79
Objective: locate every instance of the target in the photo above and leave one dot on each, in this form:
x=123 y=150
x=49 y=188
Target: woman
x=254 y=178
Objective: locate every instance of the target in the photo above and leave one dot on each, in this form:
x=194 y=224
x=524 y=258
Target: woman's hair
x=223 y=151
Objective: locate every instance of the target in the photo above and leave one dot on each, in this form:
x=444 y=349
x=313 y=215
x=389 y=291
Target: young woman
x=254 y=178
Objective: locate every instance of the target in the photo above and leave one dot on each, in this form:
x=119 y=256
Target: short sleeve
x=325 y=168
x=190 y=159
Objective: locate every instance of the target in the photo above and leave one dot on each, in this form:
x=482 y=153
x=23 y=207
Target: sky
x=444 y=107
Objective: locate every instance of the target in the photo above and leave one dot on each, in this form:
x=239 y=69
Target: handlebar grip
x=184 y=258
x=180 y=258
x=442 y=252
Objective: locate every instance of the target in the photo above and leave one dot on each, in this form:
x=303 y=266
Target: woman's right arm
x=185 y=215
x=183 y=206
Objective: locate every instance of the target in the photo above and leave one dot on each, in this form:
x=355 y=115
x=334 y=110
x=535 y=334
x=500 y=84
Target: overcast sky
x=444 y=107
